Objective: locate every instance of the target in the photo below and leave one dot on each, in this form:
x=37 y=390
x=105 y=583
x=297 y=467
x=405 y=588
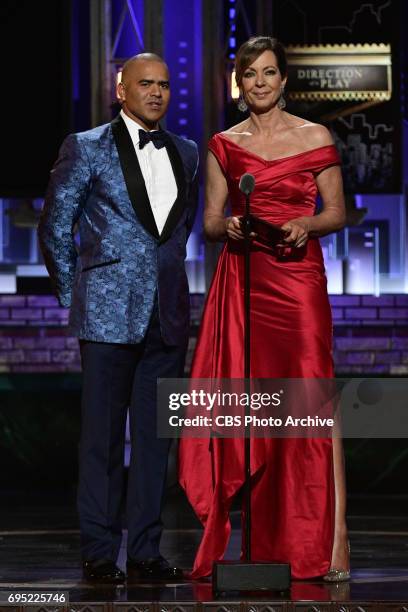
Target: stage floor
x=41 y=560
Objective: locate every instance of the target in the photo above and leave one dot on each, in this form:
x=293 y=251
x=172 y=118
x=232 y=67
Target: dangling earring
x=242 y=106
x=281 y=101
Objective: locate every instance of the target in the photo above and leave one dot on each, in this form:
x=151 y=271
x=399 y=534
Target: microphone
x=247 y=184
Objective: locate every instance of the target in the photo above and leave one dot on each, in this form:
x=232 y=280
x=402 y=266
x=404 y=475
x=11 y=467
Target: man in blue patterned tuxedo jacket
x=130 y=190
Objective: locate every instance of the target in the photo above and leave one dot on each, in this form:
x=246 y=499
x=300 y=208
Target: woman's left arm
x=332 y=218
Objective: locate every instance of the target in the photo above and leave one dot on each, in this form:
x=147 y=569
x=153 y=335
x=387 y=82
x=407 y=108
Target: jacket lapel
x=133 y=176
x=178 y=207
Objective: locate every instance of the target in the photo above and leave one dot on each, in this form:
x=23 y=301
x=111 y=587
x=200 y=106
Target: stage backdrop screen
x=36 y=103
x=367 y=132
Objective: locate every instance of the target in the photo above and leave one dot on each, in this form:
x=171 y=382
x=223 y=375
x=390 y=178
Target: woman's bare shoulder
x=314 y=130
x=317 y=135
x=236 y=130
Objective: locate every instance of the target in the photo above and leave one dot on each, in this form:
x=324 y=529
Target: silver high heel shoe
x=336 y=575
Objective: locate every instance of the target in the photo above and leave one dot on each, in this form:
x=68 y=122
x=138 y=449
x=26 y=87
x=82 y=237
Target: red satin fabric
x=291 y=331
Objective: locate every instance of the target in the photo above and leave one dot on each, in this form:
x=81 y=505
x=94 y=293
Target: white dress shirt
x=157 y=172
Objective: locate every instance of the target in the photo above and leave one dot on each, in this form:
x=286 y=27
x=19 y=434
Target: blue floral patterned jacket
x=111 y=279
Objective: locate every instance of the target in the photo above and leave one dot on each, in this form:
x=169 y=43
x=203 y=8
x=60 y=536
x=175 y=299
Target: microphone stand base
x=249 y=576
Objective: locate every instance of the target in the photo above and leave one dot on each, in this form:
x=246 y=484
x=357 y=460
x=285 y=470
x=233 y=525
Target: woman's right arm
x=216 y=226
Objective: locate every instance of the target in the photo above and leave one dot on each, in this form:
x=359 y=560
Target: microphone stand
x=247 y=373
x=248 y=575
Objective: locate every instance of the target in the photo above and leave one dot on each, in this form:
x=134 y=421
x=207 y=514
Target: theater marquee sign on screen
x=340 y=72
x=350 y=88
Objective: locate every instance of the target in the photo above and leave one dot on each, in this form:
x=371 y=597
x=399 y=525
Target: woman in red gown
x=298 y=491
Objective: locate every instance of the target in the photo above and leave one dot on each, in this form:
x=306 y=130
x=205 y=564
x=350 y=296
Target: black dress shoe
x=102 y=571
x=153 y=570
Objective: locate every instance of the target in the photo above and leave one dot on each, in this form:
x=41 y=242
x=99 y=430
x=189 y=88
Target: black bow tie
x=158 y=138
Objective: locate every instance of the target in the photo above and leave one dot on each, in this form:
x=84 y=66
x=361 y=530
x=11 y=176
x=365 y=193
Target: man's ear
x=120 y=92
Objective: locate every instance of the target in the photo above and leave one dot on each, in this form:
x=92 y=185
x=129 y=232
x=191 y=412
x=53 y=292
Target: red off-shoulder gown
x=291 y=337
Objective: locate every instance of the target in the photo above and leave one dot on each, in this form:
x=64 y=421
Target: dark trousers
x=117 y=377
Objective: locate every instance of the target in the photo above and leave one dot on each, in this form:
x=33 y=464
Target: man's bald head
x=144 y=90
x=131 y=63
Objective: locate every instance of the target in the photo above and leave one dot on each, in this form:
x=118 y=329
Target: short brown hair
x=250 y=50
